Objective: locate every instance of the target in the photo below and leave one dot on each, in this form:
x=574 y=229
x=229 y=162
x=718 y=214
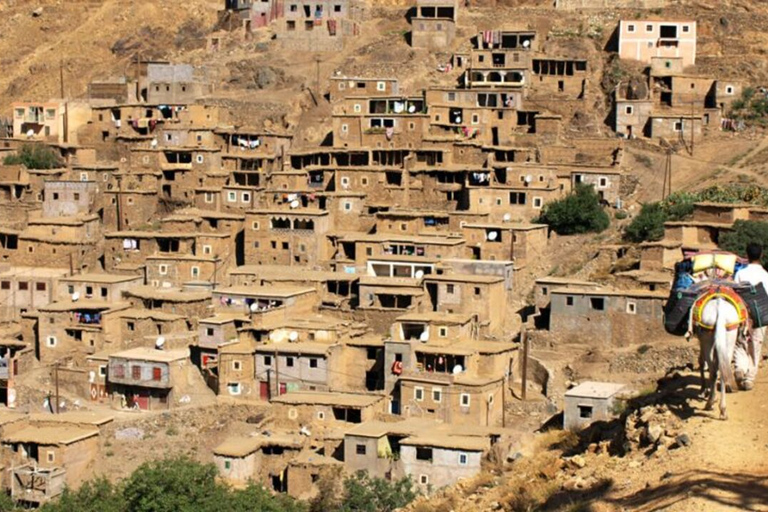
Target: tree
x=256 y=498
x=174 y=485
x=365 y=494
x=648 y=225
x=35 y=156
x=98 y=495
x=743 y=233
x=578 y=212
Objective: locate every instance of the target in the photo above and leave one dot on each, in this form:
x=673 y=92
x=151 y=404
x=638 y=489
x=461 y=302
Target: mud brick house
x=173 y=84
x=606 y=181
x=260 y=458
x=433 y=24
x=503 y=242
x=468 y=294
x=304 y=470
x=642 y=40
x=382 y=299
x=316 y=25
x=440 y=461
x=343 y=87
x=265 y=304
x=292 y=237
x=617 y=317
x=335 y=289
x=146 y=378
x=489 y=117
x=590 y=402
x=500 y=268
x=355 y=250
x=371 y=122
x=69 y=198
x=193 y=304
x=16 y=359
x=46 y=121
x=142 y=327
x=557 y=78
x=24 y=289
x=426 y=326
x=304 y=407
x=544 y=286
x=106 y=287
x=58 y=240
x=48 y=458
x=74 y=329
x=288 y=367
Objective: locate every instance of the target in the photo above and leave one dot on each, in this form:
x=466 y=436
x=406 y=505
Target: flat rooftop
x=592 y=389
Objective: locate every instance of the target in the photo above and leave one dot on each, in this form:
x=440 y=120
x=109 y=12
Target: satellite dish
x=30 y=133
x=75 y=296
x=493 y=235
x=294 y=203
x=527 y=43
x=254 y=307
x=419 y=274
x=457 y=369
x=274 y=337
x=528 y=179
x=293 y=336
x=424 y=336
x=507 y=217
x=160 y=343
x=412 y=109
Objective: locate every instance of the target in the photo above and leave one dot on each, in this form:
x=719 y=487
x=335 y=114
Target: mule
x=717 y=323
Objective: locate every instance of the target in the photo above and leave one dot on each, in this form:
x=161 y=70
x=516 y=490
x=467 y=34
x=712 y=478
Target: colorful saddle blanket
x=727 y=293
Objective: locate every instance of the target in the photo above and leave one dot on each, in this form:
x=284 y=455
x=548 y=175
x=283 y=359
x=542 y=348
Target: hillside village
x=340 y=261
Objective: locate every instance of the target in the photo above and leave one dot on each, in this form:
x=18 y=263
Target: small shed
x=235 y=458
x=589 y=402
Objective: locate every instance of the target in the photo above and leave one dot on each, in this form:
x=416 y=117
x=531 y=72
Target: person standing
x=746 y=358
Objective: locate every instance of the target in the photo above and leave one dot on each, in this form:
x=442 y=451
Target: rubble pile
x=654 y=426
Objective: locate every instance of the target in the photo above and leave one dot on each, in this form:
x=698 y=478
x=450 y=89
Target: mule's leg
x=703 y=381
x=712 y=364
x=723 y=412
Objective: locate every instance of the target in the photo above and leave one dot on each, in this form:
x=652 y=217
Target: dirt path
x=724 y=469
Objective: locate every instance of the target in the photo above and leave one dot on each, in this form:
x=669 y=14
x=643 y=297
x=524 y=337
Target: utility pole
x=138 y=77
x=269 y=384
x=71 y=265
x=118 y=211
x=692 y=124
x=65 y=123
x=277 y=375
x=56 y=377
x=317 y=76
x=524 y=336
x=215 y=271
x=667 y=181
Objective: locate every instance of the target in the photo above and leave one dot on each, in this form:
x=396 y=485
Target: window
x=357 y=108
x=337 y=8
x=649 y=28
x=40 y=287
x=597 y=303
x=50 y=341
x=195 y=272
x=55 y=196
x=227 y=464
x=207 y=249
x=678 y=126
x=418 y=394
x=364 y=181
x=209 y=197
x=255 y=225
x=603 y=182
x=686 y=28
x=449 y=289
x=423 y=479
x=381 y=86
x=320 y=415
x=371 y=353
x=347 y=206
x=569 y=301
x=632 y=307
x=477 y=291
x=538 y=202
x=136 y=372
x=233 y=388
x=209 y=331
x=130 y=326
x=464 y=400
x=237 y=366
x=23 y=285
x=313 y=362
x=290 y=24
x=344 y=128
x=231 y=197
x=729 y=89
x=162 y=269
x=475 y=119
x=289 y=362
x=102 y=370
x=629 y=110
x=544 y=290
x=157 y=373
x=199 y=159
x=442 y=332
x=6 y=285
x=630 y=28
x=267 y=360
x=463 y=459
x=50 y=456
x=345 y=181
x=517 y=198
x=246 y=197
x=424 y=454
x=360 y=449
x=437 y=394
x=585 y=411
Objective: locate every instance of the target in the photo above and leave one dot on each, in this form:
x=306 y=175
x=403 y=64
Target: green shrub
x=35 y=156
x=578 y=212
x=648 y=225
x=743 y=233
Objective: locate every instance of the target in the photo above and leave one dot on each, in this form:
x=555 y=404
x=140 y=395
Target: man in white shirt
x=747 y=355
